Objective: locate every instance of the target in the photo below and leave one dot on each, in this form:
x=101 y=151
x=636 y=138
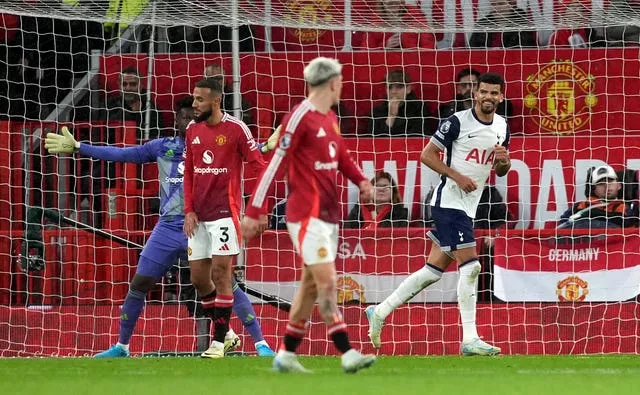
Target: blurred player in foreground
x=167 y=241
x=312 y=151
x=473 y=142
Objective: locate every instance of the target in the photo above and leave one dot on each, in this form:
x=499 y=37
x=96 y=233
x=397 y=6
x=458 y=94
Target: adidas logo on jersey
x=225 y=247
x=196 y=140
x=321 y=133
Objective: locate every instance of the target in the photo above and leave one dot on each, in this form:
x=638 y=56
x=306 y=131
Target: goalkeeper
x=167 y=241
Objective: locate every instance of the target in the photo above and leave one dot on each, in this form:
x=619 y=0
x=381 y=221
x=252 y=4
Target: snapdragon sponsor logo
x=174 y=180
x=326 y=165
x=210 y=170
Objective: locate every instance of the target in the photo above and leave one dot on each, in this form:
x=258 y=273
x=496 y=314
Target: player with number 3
x=215 y=147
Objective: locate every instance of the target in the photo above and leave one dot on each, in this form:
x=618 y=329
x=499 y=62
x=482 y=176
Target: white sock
x=409 y=288
x=261 y=342
x=467 y=285
x=123 y=346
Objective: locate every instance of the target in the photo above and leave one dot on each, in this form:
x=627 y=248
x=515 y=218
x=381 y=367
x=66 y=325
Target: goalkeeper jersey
x=468 y=144
x=311 y=151
x=167 y=152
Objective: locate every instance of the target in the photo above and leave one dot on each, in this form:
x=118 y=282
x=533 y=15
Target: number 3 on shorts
x=225 y=234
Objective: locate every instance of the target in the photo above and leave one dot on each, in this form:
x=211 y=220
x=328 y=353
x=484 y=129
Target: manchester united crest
x=560 y=97
x=305 y=11
x=349 y=290
x=221 y=139
x=572 y=289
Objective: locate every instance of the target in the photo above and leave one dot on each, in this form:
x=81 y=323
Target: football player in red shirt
x=312 y=151
x=216 y=145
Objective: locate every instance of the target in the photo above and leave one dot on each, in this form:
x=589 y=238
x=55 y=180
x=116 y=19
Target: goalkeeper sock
x=221 y=316
x=338 y=333
x=467 y=284
x=243 y=309
x=409 y=288
x=131 y=309
x=294 y=334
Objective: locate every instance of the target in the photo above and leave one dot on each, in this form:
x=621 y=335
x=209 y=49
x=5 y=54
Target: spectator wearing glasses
x=466 y=83
x=385 y=211
x=402 y=113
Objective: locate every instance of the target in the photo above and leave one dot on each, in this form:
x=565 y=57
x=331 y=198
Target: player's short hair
x=398 y=77
x=320 y=70
x=210 y=83
x=185 y=102
x=465 y=72
x=130 y=70
x=493 y=79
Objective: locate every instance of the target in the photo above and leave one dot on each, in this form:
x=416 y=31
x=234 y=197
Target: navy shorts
x=453 y=229
x=166 y=244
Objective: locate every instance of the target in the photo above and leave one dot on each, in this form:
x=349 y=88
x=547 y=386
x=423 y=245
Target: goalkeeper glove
x=61 y=143
x=271 y=141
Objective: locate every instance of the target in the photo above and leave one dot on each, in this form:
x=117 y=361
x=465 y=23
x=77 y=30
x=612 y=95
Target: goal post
x=543 y=289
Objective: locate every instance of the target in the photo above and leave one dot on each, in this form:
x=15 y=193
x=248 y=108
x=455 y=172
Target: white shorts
x=219 y=237
x=315 y=240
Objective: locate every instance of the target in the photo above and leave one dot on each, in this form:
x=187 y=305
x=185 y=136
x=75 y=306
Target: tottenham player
x=474 y=141
x=167 y=241
x=312 y=151
x=216 y=146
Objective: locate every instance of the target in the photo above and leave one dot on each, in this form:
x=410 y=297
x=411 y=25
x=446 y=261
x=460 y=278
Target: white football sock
x=123 y=346
x=409 y=288
x=467 y=285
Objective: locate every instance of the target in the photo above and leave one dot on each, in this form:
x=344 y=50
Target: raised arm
x=65 y=143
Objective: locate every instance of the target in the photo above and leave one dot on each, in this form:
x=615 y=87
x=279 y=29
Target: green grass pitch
x=611 y=374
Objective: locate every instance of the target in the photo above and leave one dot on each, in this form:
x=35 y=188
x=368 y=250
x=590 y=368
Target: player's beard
x=494 y=106
x=203 y=116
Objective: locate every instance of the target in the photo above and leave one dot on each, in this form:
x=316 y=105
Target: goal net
x=119 y=73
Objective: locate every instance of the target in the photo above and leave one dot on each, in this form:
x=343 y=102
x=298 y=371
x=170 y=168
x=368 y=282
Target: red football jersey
x=213 y=165
x=311 y=151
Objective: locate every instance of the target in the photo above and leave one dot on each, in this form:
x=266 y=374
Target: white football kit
x=468 y=144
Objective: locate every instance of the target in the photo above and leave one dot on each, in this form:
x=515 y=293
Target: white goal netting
x=117 y=73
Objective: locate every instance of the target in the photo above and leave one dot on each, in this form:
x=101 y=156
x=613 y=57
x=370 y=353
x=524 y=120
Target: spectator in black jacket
x=130 y=104
x=466 y=83
x=505 y=14
x=385 y=211
x=402 y=114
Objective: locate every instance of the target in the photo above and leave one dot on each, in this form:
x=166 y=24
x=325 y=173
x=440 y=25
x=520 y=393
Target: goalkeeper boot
x=375 y=325
x=264 y=350
x=478 y=347
x=115 y=351
x=352 y=361
x=231 y=341
x=216 y=350
x=287 y=362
